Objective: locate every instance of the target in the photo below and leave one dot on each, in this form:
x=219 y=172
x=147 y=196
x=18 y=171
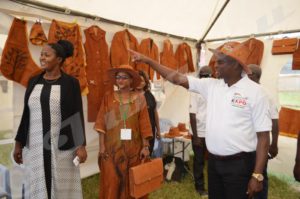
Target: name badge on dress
x=125 y=134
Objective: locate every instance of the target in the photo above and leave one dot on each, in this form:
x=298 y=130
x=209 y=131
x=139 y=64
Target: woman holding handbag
x=124 y=130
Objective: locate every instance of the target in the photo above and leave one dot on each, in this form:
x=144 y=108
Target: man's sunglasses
x=122 y=77
x=204 y=75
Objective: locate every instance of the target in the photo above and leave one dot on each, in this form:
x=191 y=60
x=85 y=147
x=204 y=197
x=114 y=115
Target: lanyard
x=124 y=113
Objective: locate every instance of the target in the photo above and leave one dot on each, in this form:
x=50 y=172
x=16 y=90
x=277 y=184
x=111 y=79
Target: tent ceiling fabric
x=191 y=18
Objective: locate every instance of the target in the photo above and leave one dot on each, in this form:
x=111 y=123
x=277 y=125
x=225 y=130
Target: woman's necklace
x=51 y=81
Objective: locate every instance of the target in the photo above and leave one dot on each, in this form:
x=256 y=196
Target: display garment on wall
x=184 y=58
x=37 y=35
x=121 y=154
x=150 y=49
x=97 y=59
x=119 y=54
x=256 y=48
x=167 y=57
x=75 y=65
x=17 y=63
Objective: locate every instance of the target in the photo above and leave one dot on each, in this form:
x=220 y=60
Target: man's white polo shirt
x=198 y=107
x=234 y=114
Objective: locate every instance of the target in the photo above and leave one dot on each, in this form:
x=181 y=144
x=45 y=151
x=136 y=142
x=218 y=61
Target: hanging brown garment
x=296 y=59
x=150 y=49
x=256 y=48
x=17 y=63
x=75 y=65
x=37 y=35
x=213 y=59
x=97 y=60
x=119 y=54
x=184 y=58
x=167 y=57
x=289 y=122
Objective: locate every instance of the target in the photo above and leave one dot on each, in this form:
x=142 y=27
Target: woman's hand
x=144 y=153
x=18 y=153
x=158 y=135
x=81 y=153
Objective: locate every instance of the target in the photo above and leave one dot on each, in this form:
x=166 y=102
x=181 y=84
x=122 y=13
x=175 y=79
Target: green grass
x=5 y=151
x=5 y=134
x=278 y=189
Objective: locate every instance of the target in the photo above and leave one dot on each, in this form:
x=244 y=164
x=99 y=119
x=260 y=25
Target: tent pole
x=212 y=24
x=254 y=35
x=61 y=10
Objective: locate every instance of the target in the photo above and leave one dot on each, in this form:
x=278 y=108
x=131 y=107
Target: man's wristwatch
x=258 y=176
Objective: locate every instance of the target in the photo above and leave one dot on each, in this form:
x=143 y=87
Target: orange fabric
x=119 y=54
x=37 y=35
x=97 y=60
x=167 y=57
x=150 y=49
x=296 y=59
x=213 y=59
x=122 y=154
x=184 y=58
x=75 y=65
x=256 y=48
x=17 y=63
x=289 y=122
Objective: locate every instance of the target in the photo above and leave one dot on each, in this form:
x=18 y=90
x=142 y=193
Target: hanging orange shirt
x=167 y=57
x=119 y=54
x=256 y=48
x=184 y=58
x=97 y=59
x=16 y=62
x=75 y=65
x=150 y=49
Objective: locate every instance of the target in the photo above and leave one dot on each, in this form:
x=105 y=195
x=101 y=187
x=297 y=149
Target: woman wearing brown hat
x=152 y=107
x=124 y=128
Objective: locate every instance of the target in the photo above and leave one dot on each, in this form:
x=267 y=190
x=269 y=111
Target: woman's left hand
x=144 y=153
x=81 y=153
x=158 y=135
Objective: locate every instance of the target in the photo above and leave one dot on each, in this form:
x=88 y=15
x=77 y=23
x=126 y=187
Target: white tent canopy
x=191 y=18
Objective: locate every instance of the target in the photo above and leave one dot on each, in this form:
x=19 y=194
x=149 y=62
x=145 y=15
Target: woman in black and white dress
x=51 y=133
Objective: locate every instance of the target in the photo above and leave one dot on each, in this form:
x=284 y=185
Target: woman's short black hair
x=146 y=78
x=63 y=49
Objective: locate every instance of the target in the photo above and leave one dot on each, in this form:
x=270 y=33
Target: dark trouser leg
x=198 y=166
x=228 y=179
x=215 y=184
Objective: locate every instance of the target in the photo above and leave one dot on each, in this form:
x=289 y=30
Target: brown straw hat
x=239 y=52
x=127 y=69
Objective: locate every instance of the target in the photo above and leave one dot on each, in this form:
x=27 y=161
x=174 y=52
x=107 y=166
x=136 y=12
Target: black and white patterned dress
x=52 y=172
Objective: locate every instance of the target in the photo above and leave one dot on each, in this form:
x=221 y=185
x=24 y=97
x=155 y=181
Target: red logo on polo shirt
x=239 y=101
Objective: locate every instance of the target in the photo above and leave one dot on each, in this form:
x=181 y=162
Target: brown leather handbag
x=145 y=178
x=284 y=46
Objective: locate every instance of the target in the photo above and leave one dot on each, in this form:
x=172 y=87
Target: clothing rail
x=254 y=35
x=66 y=11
